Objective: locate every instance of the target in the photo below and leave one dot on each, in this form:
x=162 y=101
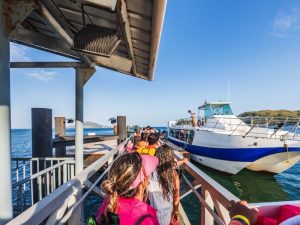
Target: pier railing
x=34 y=178
x=283 y=128
x=212 y=197
x=64 y=204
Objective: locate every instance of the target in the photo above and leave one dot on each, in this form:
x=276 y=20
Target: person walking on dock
x=164 y=186
x=126 y=187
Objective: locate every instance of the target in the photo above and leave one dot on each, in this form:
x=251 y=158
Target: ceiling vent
x=95 y=39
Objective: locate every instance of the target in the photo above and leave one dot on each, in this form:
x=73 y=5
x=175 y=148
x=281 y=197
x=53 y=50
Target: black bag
x=110 y=219
x=113 y=219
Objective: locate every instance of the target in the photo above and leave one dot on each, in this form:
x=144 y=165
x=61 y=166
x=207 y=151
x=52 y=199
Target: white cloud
x=19 y=53
x=286 y=23
x=42 y=74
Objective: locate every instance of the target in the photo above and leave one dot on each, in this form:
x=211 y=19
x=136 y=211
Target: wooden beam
x=159 y=7
x=59 y=16
x=61 y=32
x=55 y=45
x=15 y=13
x=43 y=42
x=46 y=64
x=113 y=62
x=122 y=10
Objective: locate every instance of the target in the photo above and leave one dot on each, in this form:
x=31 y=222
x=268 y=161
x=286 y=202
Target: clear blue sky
x=255 y=43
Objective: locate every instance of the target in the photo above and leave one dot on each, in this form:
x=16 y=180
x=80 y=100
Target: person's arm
x=181 y=161
x=234 y=222
x=176 y=196
x=240 y=214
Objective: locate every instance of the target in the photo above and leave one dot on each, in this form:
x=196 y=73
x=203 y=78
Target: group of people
x=142 y=186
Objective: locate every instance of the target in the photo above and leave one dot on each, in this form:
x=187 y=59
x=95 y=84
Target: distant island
x=89 y=124
x=271 y=113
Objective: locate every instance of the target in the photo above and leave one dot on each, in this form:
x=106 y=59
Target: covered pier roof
x=52 y=25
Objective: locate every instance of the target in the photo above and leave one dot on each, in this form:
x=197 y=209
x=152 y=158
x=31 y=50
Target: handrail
x=53 y=202
x=78 y=202
x=62 y=204
x=216 y=123
x=203 y=202
x=215 y=195
x=236 y=127
x=42 y=158
x=250 y=129
x=223 y=193
x=42 y=172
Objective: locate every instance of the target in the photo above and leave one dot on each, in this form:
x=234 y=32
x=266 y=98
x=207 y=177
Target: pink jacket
x=130 y=210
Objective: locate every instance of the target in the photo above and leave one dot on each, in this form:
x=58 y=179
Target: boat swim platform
x=64 y=203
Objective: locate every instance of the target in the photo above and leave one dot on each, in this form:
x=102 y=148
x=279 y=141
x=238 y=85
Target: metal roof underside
x=52 y=24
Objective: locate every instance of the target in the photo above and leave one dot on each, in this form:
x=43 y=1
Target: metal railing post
x=79 y=121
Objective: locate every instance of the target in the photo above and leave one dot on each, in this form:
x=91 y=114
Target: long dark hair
x=120 y=176
x=165 y=170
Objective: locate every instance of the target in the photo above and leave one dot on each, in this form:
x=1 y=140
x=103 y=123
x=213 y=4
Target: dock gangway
x=64 y=205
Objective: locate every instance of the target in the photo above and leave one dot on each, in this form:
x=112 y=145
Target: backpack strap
x=142 y=218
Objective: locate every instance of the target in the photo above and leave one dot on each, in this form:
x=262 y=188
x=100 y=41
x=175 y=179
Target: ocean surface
x=247 y=185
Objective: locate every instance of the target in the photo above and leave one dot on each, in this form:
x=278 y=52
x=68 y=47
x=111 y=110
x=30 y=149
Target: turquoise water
x=248 y=185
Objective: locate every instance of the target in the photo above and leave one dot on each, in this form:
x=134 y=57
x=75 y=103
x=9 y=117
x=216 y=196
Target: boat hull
x=231 y=154
x=276 y=163
x=226 y=166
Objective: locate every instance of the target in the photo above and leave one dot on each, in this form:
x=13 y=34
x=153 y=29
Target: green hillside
x=272 y=113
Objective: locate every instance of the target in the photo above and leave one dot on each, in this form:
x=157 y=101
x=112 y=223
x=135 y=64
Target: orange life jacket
x=146 y=151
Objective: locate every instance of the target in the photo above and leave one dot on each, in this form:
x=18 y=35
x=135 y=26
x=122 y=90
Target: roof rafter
x=122 y=9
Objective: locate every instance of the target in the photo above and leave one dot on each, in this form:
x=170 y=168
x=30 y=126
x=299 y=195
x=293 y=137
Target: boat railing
x=34 y=178
x=264 y=127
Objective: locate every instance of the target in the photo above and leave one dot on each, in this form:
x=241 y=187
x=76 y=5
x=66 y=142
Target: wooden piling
x=121 y=128
x=41 y=124
x=60 y=131
x=60 y=126
x=41 y=132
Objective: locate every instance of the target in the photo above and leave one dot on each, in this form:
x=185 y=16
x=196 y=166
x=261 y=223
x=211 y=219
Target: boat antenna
x=228 y=88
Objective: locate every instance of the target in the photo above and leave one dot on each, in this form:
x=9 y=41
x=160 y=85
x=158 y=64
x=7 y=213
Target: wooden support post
x=60 y=126
x=121 y=128
x=128 y=131
x=115 y=130
x=60 y=131
x=206 y=217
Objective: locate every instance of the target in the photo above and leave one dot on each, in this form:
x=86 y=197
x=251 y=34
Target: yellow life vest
x=147 y=151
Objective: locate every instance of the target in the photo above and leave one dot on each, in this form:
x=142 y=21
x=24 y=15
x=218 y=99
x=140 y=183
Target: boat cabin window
x=183 y=135
x=217 y=109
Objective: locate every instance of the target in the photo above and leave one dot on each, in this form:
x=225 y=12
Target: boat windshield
x=217 y=109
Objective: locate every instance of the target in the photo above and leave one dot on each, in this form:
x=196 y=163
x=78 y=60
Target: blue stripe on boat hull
x=232 y=154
